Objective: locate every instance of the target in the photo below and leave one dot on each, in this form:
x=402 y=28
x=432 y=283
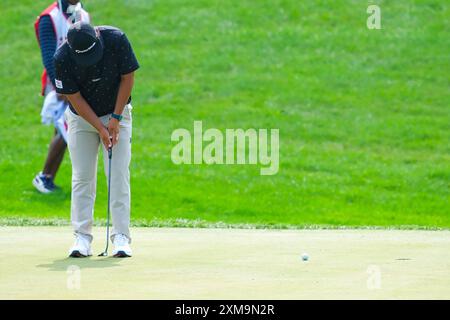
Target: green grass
x=363 y=114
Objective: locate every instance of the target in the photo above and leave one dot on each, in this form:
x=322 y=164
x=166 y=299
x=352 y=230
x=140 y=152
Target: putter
x=105 y=253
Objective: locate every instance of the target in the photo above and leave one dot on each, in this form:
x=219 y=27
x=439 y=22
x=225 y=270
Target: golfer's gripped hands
x=105 y=137
x=113 y=128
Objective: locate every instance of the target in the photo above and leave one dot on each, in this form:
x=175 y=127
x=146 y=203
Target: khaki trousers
x=83 y=142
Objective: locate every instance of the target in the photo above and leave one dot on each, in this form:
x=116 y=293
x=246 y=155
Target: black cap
x=85 y=47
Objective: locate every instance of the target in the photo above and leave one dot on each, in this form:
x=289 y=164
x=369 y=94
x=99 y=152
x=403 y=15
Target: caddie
x=51 y=31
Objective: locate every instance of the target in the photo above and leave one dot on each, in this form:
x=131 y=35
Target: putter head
x=103 y=254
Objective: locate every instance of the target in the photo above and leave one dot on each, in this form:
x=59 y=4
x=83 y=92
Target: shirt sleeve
x=64 y=80
x=127 y=59
x=47 y=41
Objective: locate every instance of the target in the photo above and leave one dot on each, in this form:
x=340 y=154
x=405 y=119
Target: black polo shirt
x=99 y=83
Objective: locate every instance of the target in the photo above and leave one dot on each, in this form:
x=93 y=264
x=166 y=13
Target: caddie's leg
x=55 y=155
x=120 y=176
x=83 y=142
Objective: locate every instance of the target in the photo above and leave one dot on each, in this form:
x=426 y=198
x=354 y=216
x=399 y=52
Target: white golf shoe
x=121 y=246
x=81 y=247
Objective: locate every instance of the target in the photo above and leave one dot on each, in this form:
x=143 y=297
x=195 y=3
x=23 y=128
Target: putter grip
x=109 y=153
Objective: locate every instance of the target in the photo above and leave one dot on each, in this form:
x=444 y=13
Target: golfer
x=95 y=71
x=51 y=31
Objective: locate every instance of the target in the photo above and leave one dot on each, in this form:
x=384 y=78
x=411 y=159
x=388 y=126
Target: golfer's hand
x=113 y=128
x=106 y=140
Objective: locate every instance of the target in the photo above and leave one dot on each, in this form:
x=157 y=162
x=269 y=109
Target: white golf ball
x=305 y=257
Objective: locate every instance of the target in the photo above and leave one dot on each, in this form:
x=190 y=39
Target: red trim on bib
x=46 y=12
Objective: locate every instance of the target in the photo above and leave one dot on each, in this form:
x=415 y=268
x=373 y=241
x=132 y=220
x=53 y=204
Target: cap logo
x=86 y=50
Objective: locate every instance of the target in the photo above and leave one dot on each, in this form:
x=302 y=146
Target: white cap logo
x=86 y=50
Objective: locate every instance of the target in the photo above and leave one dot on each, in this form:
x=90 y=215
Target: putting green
x=229 y=264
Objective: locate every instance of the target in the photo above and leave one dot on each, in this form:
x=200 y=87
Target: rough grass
x=363 y=114
x=198 y=223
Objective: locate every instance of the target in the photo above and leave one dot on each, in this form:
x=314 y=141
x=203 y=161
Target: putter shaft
x=105 y=253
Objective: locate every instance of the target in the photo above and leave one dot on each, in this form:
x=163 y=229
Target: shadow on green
x=82 y=263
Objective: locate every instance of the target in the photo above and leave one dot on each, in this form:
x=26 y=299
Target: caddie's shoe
x=121 y=246
x=43 y=183
x=81 y=248
x=52 y=185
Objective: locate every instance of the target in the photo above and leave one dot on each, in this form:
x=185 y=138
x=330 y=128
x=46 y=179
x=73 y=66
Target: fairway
x=172 y=263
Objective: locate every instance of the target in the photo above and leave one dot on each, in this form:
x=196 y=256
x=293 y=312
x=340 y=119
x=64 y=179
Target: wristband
x=118 y=117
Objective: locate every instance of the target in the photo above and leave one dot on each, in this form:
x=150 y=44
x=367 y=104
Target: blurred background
x=363 y=114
